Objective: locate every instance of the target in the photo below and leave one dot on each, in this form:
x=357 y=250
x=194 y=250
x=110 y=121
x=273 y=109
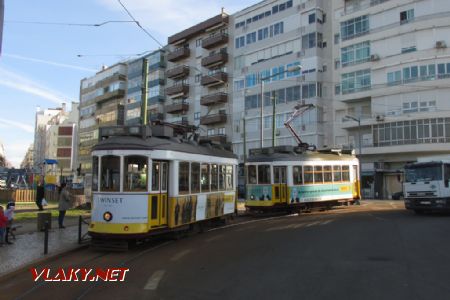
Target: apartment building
x=42 y=120
x=272 y=41
x=61 y=142
x=198 y=84
x=151 y=66
x=392 y=74
x=27 y=162
x=102 y=101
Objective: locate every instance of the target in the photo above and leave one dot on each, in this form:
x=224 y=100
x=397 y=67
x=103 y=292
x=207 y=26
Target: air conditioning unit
x=380 y=118
x=374 y=57
x=441 y=44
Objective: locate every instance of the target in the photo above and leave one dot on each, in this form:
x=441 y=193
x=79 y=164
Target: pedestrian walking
x=40 y=194
x=9 y=213
x=64 y=204
x=3 y=222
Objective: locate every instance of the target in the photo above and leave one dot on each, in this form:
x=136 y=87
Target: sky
x=41 y=65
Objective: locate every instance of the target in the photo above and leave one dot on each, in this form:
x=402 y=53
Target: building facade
x=102 y=102
x=154 y=69
x=198 y=91
x=392 y=73
x=42 y=121
x=272 y=40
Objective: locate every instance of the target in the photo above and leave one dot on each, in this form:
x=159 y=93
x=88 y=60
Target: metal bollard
x=80 y=223
x=46 y=238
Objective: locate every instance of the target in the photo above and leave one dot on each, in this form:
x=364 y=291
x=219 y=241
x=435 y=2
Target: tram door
x=159 y=202
x=280 y=184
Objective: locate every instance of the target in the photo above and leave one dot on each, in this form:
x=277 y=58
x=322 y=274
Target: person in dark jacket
x=40 y=194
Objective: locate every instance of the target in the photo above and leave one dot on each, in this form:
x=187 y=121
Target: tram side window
x=95 y=174
x=183 y=178
x=135 y=177
x=251 y=171
x=164 y=176
x=222 y=173
x=327 y=174
x=298 y=177
x=263 y=174
x=337 y=173
x=309 y=178
x=110 y=174
x=318 y=174
x=214 y=177
x=204 y=179
x=195 y=178
x=229 y=178
x=345 y=173
x=446 y=174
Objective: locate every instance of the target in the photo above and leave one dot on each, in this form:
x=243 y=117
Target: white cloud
x=167 y=17
x=19 y=82
x=14 y=124
x=48 y=62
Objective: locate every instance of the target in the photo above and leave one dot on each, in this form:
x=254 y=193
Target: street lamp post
x=290 y=69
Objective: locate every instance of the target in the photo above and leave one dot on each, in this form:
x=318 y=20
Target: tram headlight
x=107 y=216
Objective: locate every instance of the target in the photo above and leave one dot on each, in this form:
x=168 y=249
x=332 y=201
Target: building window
x=355 y=54
x=406 y=16
x=409 y=49
x=309 y=41
x=197 y=116
x=251 y=38
x=394 y=78
x=263 y=33
x=354 y=27
x=221 y=131
x=312 y=18
x=355 y=81
x=198 y=43
x=210 y=132
x=240 y=42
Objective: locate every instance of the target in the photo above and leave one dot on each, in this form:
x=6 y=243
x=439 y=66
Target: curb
x=41 y=260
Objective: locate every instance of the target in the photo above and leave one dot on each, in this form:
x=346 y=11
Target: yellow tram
x=146 y=182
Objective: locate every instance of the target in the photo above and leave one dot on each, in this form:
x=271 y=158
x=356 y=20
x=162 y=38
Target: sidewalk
x=29 y=244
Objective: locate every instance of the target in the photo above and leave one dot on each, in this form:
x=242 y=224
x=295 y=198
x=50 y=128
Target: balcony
x=219 y=138
x=178 y=54
x=177 y=108
x=178 y=72
x=215 y=40
x=214 y=60
x=214 y=99
x=214 y=79
x=177 y=91
x=213 y=119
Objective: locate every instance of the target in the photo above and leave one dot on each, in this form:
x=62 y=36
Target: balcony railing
x=215 y=59
x=178 y=72
x=176 y=108
x=217 y=78
x=178 y=54
x=213 y=119
x=214 y=99
x=215 y=40
x=179 y=90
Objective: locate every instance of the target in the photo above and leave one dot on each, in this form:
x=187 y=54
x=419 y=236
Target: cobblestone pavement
x=29 y=247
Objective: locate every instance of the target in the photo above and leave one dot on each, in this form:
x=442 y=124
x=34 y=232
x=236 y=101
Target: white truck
x=426 y=186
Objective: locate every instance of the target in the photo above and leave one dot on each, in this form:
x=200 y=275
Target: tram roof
x=303 y=156
x=158 y=143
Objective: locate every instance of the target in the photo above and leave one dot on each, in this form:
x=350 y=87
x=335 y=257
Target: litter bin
x=42 y=218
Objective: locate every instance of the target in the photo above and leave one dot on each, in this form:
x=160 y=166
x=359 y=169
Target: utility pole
x=262 y=114
x=274 y=100
x=144 y=91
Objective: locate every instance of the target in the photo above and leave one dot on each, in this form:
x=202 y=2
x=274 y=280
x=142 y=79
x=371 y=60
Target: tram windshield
x=427 y=172
x=135 y=177
x=110 y=174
